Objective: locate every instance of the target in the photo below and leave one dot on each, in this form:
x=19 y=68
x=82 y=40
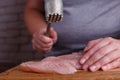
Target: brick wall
x=15 y=41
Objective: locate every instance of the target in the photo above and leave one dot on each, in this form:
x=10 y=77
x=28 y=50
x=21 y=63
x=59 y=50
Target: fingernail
x=85 y=67
x=82 y=61
x=93 y=68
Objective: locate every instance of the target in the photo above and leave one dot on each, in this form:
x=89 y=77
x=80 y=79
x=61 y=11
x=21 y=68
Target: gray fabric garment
x=85 y=20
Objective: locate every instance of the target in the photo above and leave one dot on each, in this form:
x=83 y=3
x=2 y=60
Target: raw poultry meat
x=65 y=64
x=72 y=59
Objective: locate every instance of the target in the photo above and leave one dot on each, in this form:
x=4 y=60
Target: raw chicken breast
x=66 y=64
x=73 y=59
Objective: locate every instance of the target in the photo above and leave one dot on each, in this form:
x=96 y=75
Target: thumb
x=53 y=35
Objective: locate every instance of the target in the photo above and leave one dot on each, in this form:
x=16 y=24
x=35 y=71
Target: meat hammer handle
x=48 y=29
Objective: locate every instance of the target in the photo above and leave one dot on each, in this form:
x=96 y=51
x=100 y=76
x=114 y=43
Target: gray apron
x=85 y=20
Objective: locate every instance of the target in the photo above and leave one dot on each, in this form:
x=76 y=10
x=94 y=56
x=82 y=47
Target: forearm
x=34 y=19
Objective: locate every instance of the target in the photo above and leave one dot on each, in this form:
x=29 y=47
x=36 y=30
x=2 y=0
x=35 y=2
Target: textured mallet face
x=53 y=10
x=54 y=18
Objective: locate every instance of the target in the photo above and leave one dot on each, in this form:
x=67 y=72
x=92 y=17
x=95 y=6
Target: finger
x=44 y=39
x=33 y=44
x=91 y=44
x=99 y=54
x=39 y=32
x=105 y=60
x=92 y=50
x=42 y=50
x=39 y=48
x=40 y=35
x=99 y=45
x=53 y=35
x=43 y=45
x=85 y=55
x=41 y=42
x=112 y=65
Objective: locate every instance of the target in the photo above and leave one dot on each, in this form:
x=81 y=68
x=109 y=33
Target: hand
x=43 y=43
x=102 y=53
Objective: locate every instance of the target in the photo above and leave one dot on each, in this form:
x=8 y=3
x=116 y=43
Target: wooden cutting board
x=17 y=74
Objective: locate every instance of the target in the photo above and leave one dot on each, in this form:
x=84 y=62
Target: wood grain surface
x=17 y=74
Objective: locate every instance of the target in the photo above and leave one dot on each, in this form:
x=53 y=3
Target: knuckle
x=91 y=61
x=108 y=38
x=85 y=57
x=91 y=42
x=114 y=44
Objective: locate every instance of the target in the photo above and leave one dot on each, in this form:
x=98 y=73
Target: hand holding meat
x=43 y=43
x=102 y=53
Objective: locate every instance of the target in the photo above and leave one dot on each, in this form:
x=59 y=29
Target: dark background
x=15 y=41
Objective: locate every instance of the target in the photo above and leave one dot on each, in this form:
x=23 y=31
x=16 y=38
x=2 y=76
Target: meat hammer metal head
x=53 y=10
